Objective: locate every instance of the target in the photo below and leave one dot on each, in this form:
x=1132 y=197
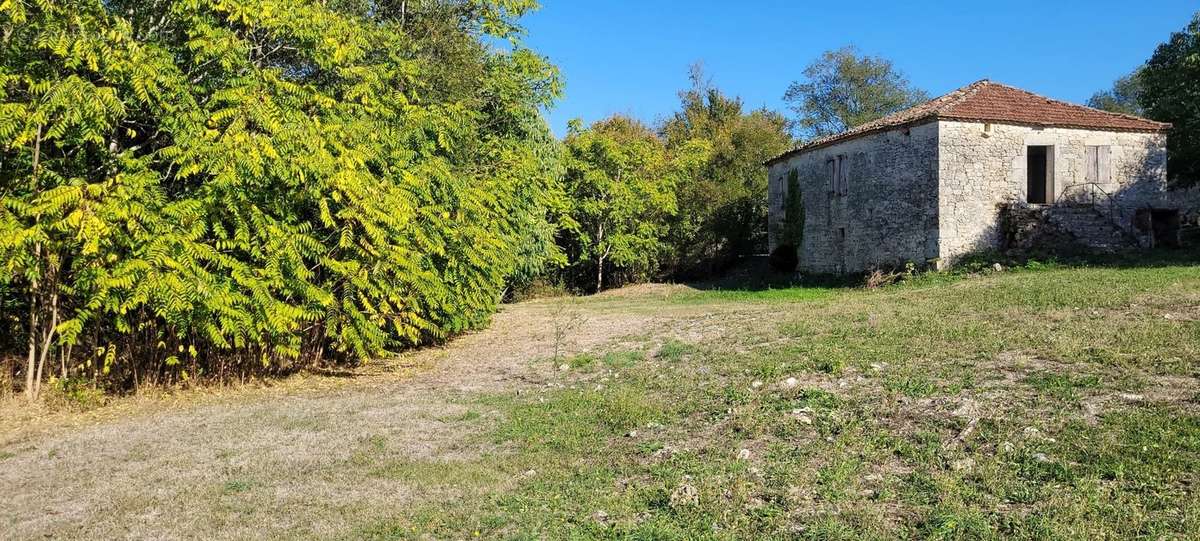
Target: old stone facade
x=982 y=165
x=882 y=208
x=928 y=185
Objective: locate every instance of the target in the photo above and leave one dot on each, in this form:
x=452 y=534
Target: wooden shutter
x=1091 y=164
x=1097 y=168
x=1051 y=187
x=1103 y=170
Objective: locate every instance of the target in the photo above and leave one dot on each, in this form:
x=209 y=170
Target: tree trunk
x=49 y=340
x=30 y=392
x=600 y=274
x=32 y=359
x=600 y=259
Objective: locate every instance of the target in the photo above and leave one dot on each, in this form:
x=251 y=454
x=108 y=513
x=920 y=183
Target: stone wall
x=982 y=166
x=935 y=190
x=888 y=214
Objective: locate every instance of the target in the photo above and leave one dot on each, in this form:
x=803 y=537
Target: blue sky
x=630 y=56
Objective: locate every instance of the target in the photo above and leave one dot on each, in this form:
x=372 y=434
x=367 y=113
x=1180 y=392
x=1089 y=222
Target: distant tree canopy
x=219 y=187
x=1124 y=96
x=718 y=149
x=1171 y=93
x=682 y=201
x=621 y=194
x=844 y=89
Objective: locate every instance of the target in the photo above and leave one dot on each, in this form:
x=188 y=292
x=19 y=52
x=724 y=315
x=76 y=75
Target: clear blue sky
x=631 y=56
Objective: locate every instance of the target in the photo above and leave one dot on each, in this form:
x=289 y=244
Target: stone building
x=950 y=177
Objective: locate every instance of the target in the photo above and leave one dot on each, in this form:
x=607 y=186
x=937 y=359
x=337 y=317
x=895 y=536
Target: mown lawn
x=1045 y=403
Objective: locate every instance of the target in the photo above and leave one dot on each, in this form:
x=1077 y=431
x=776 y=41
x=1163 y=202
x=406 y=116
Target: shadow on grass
x=1129 y=259
x=754 y=274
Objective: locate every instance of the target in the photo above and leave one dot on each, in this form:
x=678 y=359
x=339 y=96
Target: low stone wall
x=1029 y=228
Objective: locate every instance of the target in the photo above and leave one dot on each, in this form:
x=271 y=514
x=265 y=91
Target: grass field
x=1051 y=402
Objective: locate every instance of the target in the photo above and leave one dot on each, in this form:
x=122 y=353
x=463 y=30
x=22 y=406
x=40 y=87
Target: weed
x=237 y=486
x=910 y=385
x=469 y=415
x=673 y=350
x=73 y=394
x=1062 y=386
x=583 y=360
x=623 y=359
x=564 y=321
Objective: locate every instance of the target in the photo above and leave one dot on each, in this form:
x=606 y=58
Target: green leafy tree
x=844 y=89
x=622 y=195
x=1124 y=96
x=200 y=186
x=717 y=150
x=1170 y=93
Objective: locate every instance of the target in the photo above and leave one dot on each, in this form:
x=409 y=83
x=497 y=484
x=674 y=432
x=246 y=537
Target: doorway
x=1164 y=227
x=1040 y=174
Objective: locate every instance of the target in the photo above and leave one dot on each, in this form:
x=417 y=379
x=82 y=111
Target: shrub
x=785 y=258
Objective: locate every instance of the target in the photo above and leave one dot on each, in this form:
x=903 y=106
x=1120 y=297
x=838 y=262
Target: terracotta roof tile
x=994 y=102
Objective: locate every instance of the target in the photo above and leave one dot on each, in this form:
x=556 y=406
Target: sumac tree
x=239 y=186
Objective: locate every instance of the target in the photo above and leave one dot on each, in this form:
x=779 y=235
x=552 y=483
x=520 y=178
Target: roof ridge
x=1005 y=103
x=1067 y=103
x=949 y=99
x=960 y=94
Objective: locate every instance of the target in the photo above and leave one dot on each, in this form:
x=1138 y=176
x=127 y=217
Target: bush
x=785 y=258
x=75 y=394
x=881 y=277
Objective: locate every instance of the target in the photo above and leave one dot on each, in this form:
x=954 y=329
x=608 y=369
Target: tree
x=621 y=197
x=1170 y=94
x=717 y=151
x=844 y=89
x=203 y=186
x=1124 y=96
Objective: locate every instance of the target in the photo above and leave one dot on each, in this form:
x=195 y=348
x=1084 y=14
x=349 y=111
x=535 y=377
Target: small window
x=1096 y=166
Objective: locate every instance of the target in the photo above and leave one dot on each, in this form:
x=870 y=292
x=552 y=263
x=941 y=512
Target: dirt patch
x=309 y=455
x=646 y=290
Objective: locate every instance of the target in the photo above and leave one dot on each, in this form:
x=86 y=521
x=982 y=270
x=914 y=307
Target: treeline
x=213 y=189
x=681 y=200
x=209 y=189
x=686 y=198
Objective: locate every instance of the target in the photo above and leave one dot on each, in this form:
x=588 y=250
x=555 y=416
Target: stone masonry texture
x=934 y=190
x=982 y=166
